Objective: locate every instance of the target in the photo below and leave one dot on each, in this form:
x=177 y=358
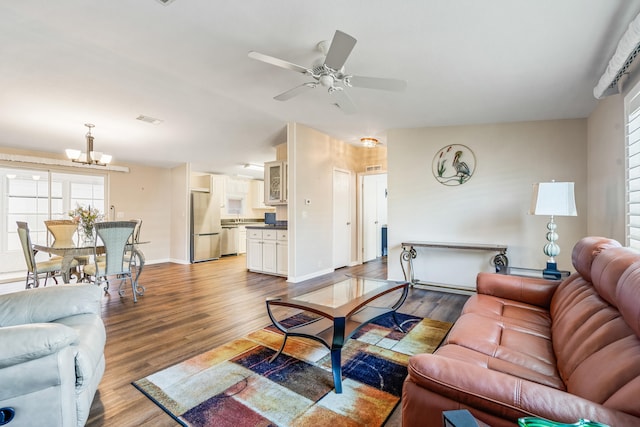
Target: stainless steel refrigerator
x=205 y=227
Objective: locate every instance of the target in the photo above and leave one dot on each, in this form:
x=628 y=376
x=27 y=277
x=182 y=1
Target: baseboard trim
x=442 y=287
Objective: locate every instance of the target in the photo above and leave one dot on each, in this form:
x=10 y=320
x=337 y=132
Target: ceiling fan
x=331 y=75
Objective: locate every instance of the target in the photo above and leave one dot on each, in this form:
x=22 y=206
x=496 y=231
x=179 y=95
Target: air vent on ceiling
x=165 y=2
x=373 y=168
x=148 y=119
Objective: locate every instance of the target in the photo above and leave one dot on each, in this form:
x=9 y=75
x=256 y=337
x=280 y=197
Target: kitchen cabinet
x=282 y=252
x=242 y=240
x=269 y=254
x=258 y=195
x=254 y=250
x=275 y=183
x=267 y=251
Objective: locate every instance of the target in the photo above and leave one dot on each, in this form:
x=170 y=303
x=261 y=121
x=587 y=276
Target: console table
x=409 y=253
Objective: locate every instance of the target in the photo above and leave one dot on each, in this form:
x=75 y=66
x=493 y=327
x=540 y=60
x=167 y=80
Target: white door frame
x=337 y=222
x=360 y=213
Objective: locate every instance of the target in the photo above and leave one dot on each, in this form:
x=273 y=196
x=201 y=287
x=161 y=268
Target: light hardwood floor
x=188 y=309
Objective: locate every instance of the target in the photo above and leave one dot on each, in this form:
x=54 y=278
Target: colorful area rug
x=235 y=385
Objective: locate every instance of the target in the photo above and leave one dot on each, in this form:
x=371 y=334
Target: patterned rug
x=235 y=385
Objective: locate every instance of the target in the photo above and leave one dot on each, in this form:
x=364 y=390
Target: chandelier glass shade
x=89 y=157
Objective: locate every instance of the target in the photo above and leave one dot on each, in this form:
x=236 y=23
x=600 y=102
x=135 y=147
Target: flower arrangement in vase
x=86 y=218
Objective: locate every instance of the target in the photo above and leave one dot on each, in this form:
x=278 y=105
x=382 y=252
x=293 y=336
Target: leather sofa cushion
x=597 y=349
x=586 y=250
x=508 y=310
x=515 y=347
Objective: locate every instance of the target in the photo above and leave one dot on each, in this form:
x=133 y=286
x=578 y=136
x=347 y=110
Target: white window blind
x=632 y=107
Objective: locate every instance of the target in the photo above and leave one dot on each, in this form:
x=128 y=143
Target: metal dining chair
x=36 y=270
x=115 y=236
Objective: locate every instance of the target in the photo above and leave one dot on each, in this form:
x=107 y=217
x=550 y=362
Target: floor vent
x=373 y=168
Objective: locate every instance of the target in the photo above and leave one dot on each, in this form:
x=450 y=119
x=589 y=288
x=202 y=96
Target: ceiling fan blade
x=377 y=83
x=278 y=62
x=340 y=49
x=295 y=91
x=342 y=100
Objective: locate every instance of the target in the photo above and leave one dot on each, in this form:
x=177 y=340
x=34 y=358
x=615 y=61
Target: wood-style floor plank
x=188 y=309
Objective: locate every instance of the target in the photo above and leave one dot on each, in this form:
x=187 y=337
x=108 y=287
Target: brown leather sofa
x=531 y=347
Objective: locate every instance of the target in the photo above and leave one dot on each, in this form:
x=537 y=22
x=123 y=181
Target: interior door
x=341 y=218
x=374 y=214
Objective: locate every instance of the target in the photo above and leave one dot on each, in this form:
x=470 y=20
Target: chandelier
x=89 y=157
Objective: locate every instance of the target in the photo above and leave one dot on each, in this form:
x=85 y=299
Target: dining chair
x=37 y=269
x=115 y=237
x=63 y=232
x=135 y=238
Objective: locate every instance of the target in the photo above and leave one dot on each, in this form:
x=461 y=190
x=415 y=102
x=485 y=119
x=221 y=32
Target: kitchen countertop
x=241 y=224
x=267 y=227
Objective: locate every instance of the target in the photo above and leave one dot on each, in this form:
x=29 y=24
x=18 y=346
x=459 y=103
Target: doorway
x=373 y=214
x=342 y=201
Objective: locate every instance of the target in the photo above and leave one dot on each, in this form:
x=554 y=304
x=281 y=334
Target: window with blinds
x=632 y=108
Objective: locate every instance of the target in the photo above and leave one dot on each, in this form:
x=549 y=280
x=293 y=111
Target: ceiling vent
x=165 y=2
x=148 y=119
x=373 y=168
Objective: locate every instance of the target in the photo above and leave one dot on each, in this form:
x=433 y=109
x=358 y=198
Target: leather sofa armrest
x=524 y=289
x=43 y=305
x=28 y=342
x=504 y=395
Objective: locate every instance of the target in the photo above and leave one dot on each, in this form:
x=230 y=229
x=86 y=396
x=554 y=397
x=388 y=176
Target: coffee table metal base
x=334 y=326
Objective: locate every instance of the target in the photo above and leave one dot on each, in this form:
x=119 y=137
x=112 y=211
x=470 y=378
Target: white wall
x=145 y=193
x=606 y=149
x=310 y=225
x=492 y=206
x=179 y=214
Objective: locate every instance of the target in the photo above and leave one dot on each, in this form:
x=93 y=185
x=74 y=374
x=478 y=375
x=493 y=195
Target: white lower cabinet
x=242 y=240
x=254 y=250
x=282 y=253
x=267 y=251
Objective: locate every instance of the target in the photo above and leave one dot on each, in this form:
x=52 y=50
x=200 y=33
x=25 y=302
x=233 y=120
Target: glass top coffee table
x=343 y=308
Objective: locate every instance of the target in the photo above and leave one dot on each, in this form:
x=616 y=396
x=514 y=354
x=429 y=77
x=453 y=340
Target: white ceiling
x=69 y=62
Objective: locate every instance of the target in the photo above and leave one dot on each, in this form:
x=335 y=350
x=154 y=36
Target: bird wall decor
x=454 y=164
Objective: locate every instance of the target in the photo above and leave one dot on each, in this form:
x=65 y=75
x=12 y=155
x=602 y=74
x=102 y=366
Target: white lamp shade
x=553 y=198
x=105 y=158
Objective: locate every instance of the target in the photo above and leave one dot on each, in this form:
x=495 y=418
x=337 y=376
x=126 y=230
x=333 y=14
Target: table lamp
x=553 y=199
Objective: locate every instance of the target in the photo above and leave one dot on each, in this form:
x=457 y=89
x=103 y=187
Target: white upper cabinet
x=275 y=183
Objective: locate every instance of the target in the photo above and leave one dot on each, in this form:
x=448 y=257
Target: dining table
x=70 y=250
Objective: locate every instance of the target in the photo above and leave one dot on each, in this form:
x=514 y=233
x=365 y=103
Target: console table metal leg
x=406 y=257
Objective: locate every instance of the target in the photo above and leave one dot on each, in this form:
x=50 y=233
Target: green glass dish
x=540 y=422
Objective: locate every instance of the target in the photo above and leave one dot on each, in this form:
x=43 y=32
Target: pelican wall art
x=454 y=164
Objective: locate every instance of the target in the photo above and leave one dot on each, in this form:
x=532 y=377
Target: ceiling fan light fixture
x=369 y=142
x=326 y=80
